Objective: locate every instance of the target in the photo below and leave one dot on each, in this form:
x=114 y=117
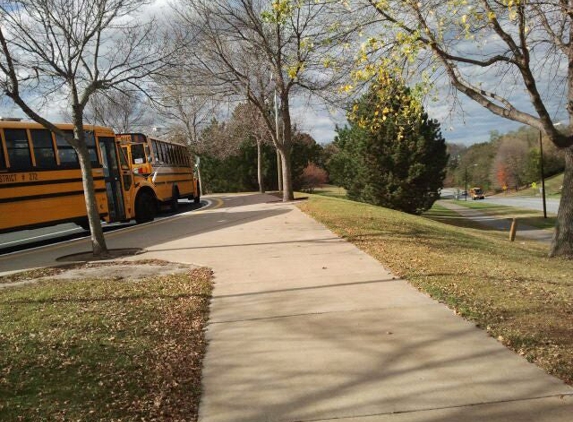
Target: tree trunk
x=260 y=167
x=288 y=194
x=99 y=247
x=279 y=172
x=199 y=174
x=562 y=244
x=285 y=151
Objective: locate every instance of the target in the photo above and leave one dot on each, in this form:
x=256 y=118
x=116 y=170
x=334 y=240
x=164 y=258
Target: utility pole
x=466 y=179
x=542 y=175
x=279 y=162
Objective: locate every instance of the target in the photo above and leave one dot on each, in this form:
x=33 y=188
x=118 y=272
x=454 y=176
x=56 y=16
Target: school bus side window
x=164 y=156
x=68 y=156
x=176 y=159
x=2 y=161
x=155 y=147
x=18 y=149
x=184 y=157
x=43 y=148
x=184 y=154
x=91 y=144
x=179 y=156
x=168 y=154
x=123 y=158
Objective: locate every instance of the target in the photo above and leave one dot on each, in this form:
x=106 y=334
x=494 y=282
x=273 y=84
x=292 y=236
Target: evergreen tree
x=392 y=154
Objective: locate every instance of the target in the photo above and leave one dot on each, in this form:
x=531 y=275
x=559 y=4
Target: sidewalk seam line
x=305 y=314
x=402 y=412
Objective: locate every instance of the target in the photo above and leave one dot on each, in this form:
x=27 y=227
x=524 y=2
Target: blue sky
x=471 y=126
x=474 y=127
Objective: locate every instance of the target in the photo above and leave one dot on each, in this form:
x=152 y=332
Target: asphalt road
x=533 y=203
x=59 y=234
x=525 y=202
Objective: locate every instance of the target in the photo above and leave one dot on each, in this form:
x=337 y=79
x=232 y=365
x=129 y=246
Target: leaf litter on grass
x=104 y=348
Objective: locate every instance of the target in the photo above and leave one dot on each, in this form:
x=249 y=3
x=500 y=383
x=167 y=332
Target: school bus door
x=112 y=175
x=128 y=181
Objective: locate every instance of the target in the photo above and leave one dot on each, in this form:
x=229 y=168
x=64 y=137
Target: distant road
x=532 y=203
x=525 y=202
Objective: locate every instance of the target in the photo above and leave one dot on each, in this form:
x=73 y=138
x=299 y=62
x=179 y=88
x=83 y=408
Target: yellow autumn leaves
x=388 y=100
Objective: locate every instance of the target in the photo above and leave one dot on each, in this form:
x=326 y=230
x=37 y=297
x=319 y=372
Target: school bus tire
x=145 y=208
x=84 y=224
x=174 y=204
x=197 y=198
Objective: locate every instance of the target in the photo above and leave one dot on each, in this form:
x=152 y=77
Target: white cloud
x=471 y=125
x=314 y=118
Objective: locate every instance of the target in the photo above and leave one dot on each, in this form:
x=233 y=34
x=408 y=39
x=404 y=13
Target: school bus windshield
x=138 y=154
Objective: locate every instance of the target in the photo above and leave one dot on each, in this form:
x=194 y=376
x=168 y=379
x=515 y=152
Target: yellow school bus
x=166 y=166
x=41 y=181
x=477 y=193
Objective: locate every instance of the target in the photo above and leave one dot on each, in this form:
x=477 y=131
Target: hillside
x=552 y=187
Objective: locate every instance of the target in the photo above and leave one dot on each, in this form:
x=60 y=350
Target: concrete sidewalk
x=306 y=327
x=502 y=224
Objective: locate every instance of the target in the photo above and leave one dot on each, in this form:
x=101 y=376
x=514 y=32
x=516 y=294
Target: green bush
x=397 y=161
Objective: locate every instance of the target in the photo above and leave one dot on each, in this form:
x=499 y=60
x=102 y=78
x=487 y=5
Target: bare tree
x=188 y=107
x=250 y=48
x=217 y=141
x=491 y=51
x=247 y=122
x=121 y=110
x=76 y=48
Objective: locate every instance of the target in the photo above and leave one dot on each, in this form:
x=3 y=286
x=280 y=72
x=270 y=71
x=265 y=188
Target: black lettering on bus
x=7 y=178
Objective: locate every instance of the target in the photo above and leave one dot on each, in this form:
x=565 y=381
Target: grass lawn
x=331 y=191
x=103 y=349
x=452 y=218
x=512 y=290
x=525 y=216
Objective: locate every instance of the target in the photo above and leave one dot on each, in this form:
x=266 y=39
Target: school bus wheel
x=145 y=208
x=84 y=224
x=197 y=198
x=175 y=199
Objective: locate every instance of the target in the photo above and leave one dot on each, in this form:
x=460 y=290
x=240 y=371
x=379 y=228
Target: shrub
x=313 y=177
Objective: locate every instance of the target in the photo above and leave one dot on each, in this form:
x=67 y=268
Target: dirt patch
x=122 y=272
x=111 y=254
x=115 y=270
x=295 y=200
